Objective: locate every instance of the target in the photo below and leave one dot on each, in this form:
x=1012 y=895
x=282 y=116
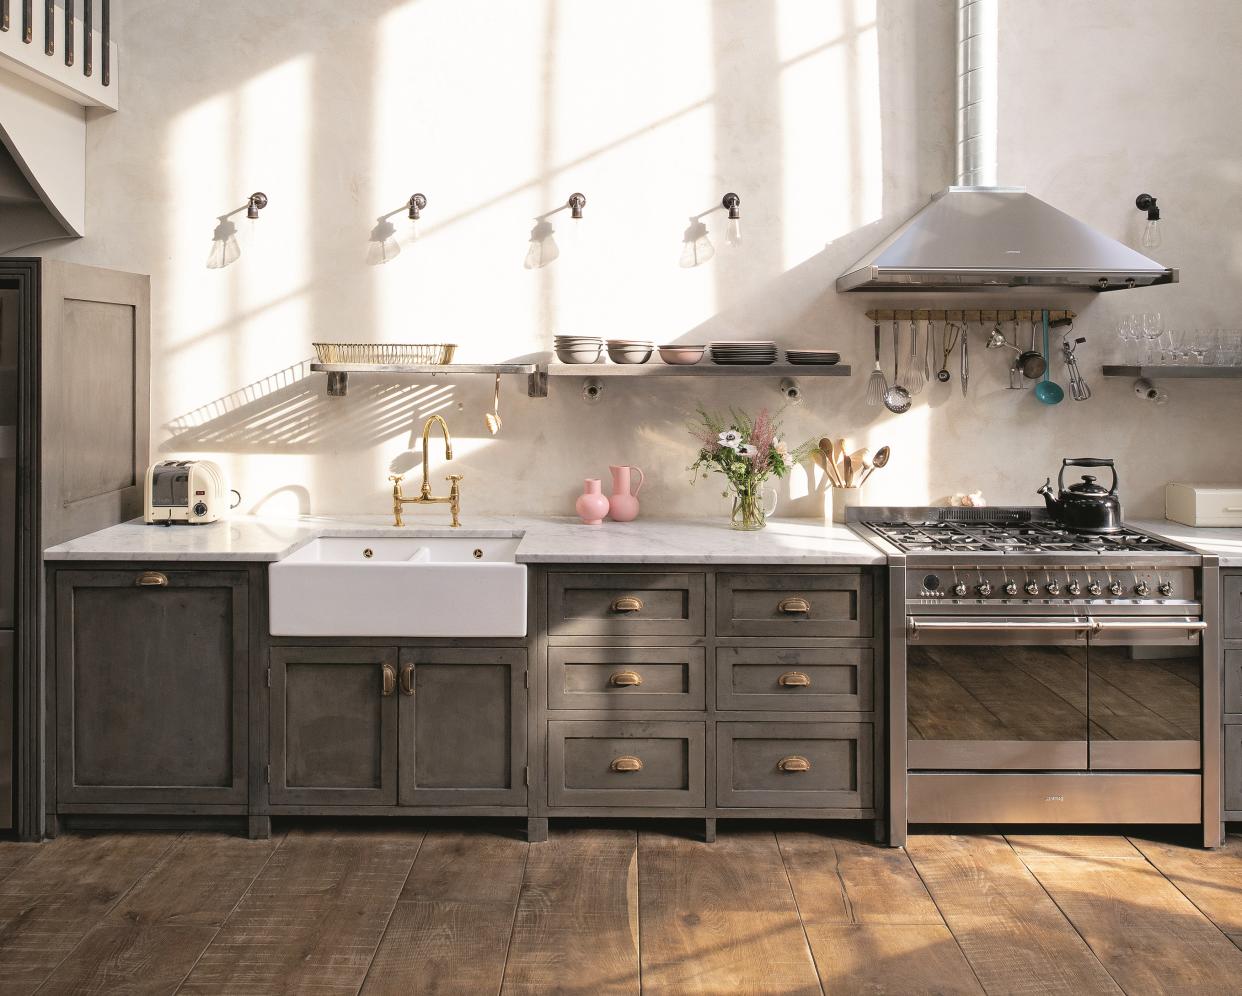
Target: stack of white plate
x=821 y=357
x=579 y=348
x=758 y=353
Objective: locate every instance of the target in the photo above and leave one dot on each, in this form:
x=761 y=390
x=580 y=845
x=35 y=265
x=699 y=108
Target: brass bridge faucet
x=425 y=497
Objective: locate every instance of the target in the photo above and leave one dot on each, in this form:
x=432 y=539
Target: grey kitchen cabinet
x=333 y=726
x=794 y=765
x=151 y=681
x=1231 y=666
x=631 y=603
x=1233 y=771
x=463 y=726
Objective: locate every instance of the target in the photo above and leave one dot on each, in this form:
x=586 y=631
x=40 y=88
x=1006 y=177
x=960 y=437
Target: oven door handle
x=1138 y=625
x=915 y=626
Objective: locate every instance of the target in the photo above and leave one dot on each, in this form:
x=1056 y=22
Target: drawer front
x=794 y=765
x=1233 y=768
x=1231 y=608
x=1233 y=681
x=617 y=679
x=795 y=679
x=630 y=604
x=793 y=605
x=654 y=764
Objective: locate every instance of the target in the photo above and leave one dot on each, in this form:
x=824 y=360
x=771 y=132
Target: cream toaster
x=1203 y=504
x=190 y=491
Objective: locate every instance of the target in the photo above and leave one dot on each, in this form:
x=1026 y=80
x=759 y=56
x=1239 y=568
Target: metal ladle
x=897 y=399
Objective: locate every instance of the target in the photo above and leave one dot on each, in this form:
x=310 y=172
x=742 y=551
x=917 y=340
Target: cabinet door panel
x=333 y=728
x=463 y=727
x=151 y=687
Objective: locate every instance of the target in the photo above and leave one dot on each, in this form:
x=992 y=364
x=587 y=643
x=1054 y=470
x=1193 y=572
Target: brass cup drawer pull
x=794 y=679
x=388 y=682
x=627 y=603
x=794 y=762
x=627 y=762
x=625 y=679
x=796 y=606
x=407 y=679
x=152 y=579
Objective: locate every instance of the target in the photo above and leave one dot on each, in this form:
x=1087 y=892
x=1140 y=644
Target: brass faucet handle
x=454 y=477
x=396 y=478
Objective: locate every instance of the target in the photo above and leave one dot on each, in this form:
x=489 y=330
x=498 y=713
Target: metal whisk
x=914 y=378
x=877 y=384
x=1080 y=390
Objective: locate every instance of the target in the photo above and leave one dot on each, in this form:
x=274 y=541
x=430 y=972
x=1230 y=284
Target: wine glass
x=1129 y=333
x=1153 y=329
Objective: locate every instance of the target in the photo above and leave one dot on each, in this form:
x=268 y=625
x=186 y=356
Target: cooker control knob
x=1142 y=589
x=1031 y=588
x=1114 y=588
x=959 y=589
x=931 y=582
x=1165 y=588
x=1053 y=588
x=1011 y=588
x=983 y=589
x=1074 y=588
x=1094 y=589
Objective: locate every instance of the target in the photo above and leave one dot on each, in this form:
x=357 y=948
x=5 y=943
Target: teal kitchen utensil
x=1046 y=391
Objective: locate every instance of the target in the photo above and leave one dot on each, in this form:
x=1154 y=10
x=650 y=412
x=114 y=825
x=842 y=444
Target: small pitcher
x=622 y=505
x=591 y=505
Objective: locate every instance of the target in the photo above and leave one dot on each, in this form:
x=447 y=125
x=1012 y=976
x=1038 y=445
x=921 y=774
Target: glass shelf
x=1155 y=371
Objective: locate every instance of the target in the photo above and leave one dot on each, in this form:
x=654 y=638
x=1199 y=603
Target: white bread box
x=1203 y=504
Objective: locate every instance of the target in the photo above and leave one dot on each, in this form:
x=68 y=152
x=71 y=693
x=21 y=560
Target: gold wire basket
x=425 y=354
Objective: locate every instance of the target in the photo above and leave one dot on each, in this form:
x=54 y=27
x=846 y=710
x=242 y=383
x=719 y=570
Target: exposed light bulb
x=733 y=232
x=696 y=247
x=416 y=229
x=543 y=248
x=224 y=247
x=1152 y=236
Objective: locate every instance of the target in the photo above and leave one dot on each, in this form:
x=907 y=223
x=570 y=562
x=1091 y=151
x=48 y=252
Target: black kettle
x=1085 y=507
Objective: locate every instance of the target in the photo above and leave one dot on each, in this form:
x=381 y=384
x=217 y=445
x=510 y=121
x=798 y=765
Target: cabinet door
x=463 y=727
x=333 y=726
x=151 y=686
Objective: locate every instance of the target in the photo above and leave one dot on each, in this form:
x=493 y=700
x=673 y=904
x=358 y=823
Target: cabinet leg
x=51 y=826
x=537 y=829
x=709 y=830
x=259 y=827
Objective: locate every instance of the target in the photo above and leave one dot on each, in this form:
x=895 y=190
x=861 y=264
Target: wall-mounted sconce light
x=733 y=230
x=576 y=203
x=416 y=205
x=256 y=203
x=1152 y=236
x=225 y=249
x=696 y=247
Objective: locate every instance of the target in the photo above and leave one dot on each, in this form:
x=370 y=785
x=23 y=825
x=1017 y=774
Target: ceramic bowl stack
x=579 y=348
x=630 y=350
x=756 y=353
x=812 y=357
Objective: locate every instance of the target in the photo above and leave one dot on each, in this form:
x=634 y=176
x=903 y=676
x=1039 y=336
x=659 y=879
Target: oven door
x=997 y=693
x=1145 y=694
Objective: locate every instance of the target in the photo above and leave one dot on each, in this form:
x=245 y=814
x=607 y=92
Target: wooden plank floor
x=607 y=910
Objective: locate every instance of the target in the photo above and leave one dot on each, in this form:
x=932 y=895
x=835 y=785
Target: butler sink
x=438 y=586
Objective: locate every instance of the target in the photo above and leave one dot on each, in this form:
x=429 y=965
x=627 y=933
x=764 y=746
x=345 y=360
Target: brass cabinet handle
x=794 y=606
x=627 y=603
x=794 y=762
x=627 y=762
x=624 y=678
x=389 y=681
x=152 y=579
x=407 y=679
x=792 y=678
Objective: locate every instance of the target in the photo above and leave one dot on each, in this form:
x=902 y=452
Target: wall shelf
x=1169 y=370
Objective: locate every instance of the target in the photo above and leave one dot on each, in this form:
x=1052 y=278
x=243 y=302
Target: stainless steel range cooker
x=1042 y=676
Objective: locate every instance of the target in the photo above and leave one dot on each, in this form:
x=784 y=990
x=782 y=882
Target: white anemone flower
x=731 y=438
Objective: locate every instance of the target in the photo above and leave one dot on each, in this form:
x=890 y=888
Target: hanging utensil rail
x=965 y=315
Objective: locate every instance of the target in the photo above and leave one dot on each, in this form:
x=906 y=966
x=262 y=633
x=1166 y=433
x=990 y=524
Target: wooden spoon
x=830 y=461
x=849 y=470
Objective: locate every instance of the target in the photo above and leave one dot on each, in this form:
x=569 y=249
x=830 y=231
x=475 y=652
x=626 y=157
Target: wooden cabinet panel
x=620 y=679
x=656 y=764
x=795 y=679
x=151 y=686
x=794 y=765
x=463 y=727
x=1231 y=605
x=790 y=604
x=637 y=604
x=1233 y=681
x=333 y=726
x=1233 y=768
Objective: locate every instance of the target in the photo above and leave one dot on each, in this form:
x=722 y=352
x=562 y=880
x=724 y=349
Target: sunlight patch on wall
x=830 y=113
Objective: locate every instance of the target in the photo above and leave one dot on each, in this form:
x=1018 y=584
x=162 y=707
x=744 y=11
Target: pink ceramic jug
x=592 y=504
x=622 y=505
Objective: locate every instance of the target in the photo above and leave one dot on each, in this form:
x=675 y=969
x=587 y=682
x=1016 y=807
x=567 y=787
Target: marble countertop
x=543 y=540
x=1224 y=542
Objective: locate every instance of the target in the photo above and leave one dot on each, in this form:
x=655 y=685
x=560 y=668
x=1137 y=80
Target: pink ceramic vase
x=622 y=505
x=592 y=504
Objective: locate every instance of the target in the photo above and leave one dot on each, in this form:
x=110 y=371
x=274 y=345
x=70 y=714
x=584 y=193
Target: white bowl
x=579 y=354
x=630 y=354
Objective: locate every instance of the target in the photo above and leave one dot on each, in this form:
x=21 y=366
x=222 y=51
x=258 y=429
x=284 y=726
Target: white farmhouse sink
x=399 y=586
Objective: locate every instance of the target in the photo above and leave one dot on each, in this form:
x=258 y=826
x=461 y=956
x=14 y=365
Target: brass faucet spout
x=452 y=499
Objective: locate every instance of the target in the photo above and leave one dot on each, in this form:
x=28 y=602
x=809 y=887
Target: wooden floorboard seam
x=517 y=904
x=254 y=878
x=798 y=908
x=391 y=913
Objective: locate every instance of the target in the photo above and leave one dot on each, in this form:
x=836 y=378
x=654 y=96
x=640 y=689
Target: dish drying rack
x=385 y=354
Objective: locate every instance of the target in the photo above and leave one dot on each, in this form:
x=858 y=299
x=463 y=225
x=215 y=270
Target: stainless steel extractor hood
x=979 y=236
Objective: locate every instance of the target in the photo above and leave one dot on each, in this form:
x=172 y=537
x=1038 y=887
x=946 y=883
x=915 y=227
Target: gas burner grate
x=1014 y=532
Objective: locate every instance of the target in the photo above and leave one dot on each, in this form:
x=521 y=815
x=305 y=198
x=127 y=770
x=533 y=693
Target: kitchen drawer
x=625 y=604
x=1233 y=768
x=793 y=605
x=1231 y=605
x=795 y=679
x=794 y=765
x=657 y=764
x=1233 y=681
x=617 y=679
